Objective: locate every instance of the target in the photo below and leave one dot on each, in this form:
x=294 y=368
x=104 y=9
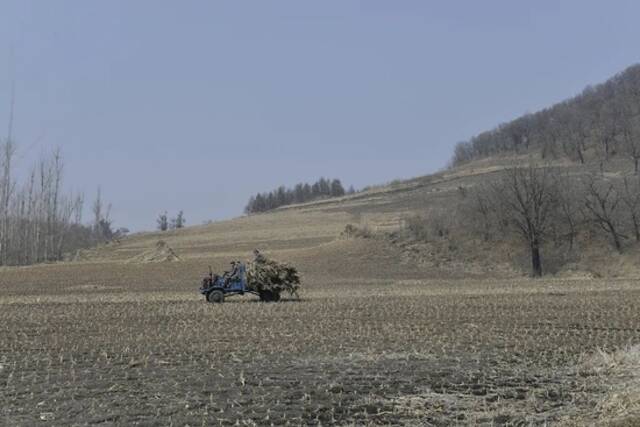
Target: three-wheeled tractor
x=216 y=288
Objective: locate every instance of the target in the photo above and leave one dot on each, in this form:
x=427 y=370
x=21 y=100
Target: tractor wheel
x=215 y=296
x=266 y=296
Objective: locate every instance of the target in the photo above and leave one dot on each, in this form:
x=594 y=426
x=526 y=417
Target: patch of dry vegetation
x=161 y=253
x=617 y=375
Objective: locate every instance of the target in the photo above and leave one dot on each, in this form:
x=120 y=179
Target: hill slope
x=312 y=235
x=600 y=124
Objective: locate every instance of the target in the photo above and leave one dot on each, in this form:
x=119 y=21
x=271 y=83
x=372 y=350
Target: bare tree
x=462 y=153
x=38 y=222
x=163 y=222
x=101 y=218
x=77 y=209
x=178 y=222
x=602 y=207
x=630 y=196
x=630 y=131
x=603 y=119
x=576 y=134
x=519 y=132
x=483 y=208
x=97 y=209
x=525 y=200
x=7 y=187
x=548 y=133
x=568 y=206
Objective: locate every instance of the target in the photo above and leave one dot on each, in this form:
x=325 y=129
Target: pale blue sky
x=195 y=105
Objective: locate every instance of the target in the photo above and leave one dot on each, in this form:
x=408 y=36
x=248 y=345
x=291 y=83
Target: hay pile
x=265 y=274
x=617 y=375
x=161 y=253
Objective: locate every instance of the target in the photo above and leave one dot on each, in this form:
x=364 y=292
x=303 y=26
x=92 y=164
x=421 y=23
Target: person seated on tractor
x=231 y=276
x=258 y=258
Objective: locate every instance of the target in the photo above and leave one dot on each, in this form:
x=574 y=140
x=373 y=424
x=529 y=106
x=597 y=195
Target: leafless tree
x=483 y=208
x=97 y=209
x=630 y=196
x=525 y=200
x=630 y=130
x=548 y=133
x=462 y=153
x=568 y=209
x=163 y=221
x=602 y=205
x=7 y=187
x=38 y=221
x=600 y=117
x=101 y=218
x=576 y=134
x=178 y=222
x=520 y=131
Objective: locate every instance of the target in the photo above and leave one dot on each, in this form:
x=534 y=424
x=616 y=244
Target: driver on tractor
x=230 y=276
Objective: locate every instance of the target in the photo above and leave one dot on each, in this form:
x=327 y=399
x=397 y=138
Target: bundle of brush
x=266 y=274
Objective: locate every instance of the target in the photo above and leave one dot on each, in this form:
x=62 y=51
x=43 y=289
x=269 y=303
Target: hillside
x=598 y=125
x=312 y=235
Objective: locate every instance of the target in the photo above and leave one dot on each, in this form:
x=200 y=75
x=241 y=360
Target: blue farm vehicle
x=216 y=288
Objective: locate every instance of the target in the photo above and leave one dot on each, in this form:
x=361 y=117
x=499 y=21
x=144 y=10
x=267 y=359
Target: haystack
x=265 y=274
x=161 y=253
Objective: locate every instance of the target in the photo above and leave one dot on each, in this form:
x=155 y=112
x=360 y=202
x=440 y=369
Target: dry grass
x=617 y=375
x=161 y=253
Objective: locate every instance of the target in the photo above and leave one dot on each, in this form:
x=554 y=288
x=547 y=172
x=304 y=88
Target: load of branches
x=266 y=274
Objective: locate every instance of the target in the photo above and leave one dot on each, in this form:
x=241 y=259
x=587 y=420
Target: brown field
x=374 y=339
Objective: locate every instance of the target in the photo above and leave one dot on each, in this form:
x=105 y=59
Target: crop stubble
x=364 y=352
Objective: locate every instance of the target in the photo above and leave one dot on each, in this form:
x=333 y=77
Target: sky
x=195 y=105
